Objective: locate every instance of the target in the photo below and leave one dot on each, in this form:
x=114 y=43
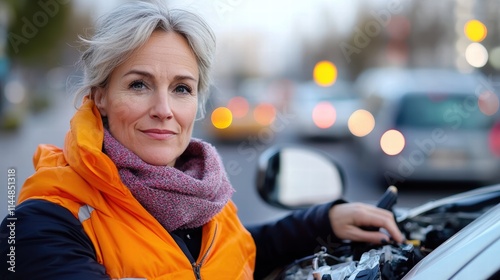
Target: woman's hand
x=347 y=218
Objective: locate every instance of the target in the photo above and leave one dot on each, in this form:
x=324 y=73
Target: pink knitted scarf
x=185 y=196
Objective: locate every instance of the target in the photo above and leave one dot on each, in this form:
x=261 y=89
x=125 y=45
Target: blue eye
x=137 y=85
x=183 y=89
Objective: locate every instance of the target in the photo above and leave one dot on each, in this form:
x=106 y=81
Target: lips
x=158 y=134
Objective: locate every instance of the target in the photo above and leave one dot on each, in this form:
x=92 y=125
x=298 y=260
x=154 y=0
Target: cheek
x=183 y=108
x=120 y=116
x=189 y=113
x=122 y=109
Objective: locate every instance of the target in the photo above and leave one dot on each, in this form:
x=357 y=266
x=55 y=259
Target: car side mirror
x=294 y=177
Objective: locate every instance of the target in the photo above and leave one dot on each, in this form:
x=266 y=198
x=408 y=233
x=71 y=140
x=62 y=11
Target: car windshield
x=456 y=111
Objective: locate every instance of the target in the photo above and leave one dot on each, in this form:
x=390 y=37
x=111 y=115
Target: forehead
x=169 y=41
x=164 y=49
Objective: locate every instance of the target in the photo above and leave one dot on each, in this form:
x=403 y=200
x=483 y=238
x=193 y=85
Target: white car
x=456 y=237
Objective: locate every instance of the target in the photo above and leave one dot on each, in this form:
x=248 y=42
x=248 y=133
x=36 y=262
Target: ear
x=98 y=94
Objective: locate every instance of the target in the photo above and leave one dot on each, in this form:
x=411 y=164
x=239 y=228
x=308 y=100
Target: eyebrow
x=138 y=72
x=150 y=76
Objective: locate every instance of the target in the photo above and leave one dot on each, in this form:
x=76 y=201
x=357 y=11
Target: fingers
x=375 y=237
x=347 y=220
x=381 y=218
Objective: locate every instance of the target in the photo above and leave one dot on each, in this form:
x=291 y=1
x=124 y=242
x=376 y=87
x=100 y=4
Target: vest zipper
x=197 y=266
x=196 y=270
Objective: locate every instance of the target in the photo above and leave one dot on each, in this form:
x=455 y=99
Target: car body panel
x=478 y=194
x=462 y=155
x=483 y=265
x=459 y=255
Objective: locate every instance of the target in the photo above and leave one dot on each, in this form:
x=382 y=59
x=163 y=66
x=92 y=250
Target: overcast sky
x=266 y=15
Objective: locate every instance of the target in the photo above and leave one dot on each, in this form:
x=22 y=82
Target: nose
x=161 y=106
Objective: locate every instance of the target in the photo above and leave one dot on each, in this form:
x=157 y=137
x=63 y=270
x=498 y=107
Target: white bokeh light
x=476 y=55
x=15 y=92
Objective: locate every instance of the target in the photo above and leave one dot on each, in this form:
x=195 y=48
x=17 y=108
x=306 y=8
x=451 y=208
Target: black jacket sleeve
x=300 y=234
x=45 y=241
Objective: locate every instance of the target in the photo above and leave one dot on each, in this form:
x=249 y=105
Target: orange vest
x=128 y=241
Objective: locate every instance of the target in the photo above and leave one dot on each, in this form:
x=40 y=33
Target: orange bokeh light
x=222 y=117
x=361 y=123
x=239 y=106
x=264 y=113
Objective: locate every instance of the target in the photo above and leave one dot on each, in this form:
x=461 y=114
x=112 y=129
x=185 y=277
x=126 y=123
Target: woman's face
x=151 y=99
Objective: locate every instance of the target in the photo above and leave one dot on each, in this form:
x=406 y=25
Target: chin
x=159 y=160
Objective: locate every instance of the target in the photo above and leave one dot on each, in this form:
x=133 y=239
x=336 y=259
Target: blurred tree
x=40 y=37
x=364 y=47
x=316 y=49
x=36 y=30
x=432 y=38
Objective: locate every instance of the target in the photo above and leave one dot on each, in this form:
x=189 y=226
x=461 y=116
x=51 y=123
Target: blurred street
x=240 y=160
x=17 y=147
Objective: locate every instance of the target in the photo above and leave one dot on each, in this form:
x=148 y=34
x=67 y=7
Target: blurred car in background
x=249 y=112
x=4 y=71
x=13 y=97
x=431 y=125
x=323 y=112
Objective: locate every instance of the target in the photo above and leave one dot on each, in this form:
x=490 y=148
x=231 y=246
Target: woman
x=132 y=195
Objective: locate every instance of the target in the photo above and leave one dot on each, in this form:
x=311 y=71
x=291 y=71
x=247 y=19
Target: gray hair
x=128 y=27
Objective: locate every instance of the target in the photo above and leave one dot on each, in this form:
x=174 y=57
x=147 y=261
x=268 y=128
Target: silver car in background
x=448 y=122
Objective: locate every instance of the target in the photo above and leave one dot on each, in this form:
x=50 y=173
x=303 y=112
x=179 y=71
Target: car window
x=441 y=110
